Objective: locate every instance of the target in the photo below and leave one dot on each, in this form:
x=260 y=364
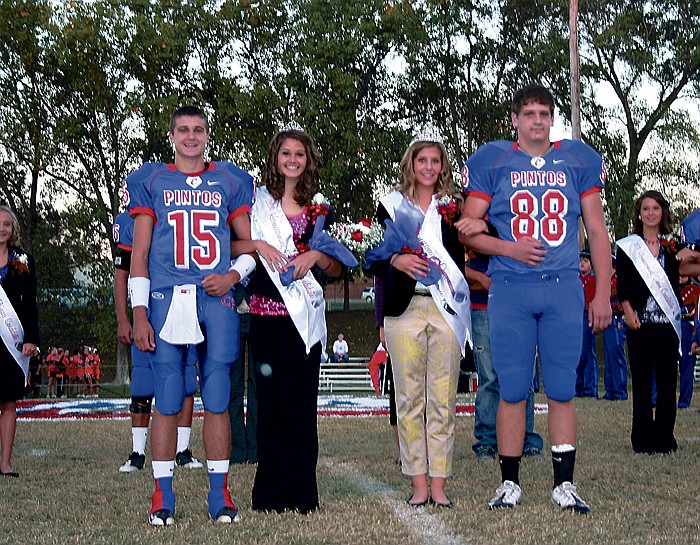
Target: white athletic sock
x=183 y=438
x=138 y=440
x=163 y=469
x=217 y=466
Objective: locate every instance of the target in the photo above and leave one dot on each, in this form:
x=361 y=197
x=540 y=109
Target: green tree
x=648 y=53
x=26 y=145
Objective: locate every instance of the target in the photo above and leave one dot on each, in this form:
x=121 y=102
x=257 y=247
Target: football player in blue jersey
x=181 y=288
x=534 y=191
x=141 y=374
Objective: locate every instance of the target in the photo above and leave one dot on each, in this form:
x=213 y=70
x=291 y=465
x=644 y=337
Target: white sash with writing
x=304 y=297
x=654 y=277
x=451 y=292
x=12 y=332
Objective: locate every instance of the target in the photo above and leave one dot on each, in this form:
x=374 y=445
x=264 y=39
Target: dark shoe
x=448 y=505
x=9 y=474
x=135 y=462
x=227 y=515
x=421 y=504
x=484 y=454
x=162 y=517
x=186 y=460
x=533 y=453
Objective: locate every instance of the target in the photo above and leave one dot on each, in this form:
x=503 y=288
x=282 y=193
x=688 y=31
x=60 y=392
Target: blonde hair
x=14 y=239
x=407 y=177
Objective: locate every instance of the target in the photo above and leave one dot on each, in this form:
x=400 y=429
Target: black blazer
x=397 y=286
x=631 y=286
x=20 y=287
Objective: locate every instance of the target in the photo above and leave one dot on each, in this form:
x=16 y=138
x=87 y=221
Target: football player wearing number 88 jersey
x=181 y=288
x=534 y=192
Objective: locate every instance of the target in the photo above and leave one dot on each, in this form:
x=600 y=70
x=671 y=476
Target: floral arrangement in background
x=358 y=237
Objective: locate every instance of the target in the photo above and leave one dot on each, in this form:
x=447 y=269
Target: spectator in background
x=244 y=424
x=79 y=366
x=34 y=378
x=52 y=372
x=18 y=297
x=70 y=374
x=340 y=350
x=388 y=380
x=587 y=371
x=96 y=372
x=615 y=377
x=690 y=293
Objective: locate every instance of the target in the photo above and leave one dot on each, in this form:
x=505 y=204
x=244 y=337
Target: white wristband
x=139 y=291
x=244 y=264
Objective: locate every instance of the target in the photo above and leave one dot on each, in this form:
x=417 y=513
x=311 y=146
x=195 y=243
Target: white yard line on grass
x=428 y=529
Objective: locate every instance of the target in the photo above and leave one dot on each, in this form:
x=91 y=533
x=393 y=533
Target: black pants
x=287 y=381
x=653 y=349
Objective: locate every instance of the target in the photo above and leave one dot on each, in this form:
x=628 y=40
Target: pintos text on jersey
x=192 y=197
x=538 y=178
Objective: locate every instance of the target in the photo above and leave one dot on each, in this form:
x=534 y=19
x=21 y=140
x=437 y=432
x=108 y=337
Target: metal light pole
x=575 y=73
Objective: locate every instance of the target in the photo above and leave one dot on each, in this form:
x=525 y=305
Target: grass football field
x=70 y=492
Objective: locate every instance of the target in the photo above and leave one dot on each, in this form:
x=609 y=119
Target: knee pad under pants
x=141 y=405
x=216 y=385
x=541 y=311
x=141 y=373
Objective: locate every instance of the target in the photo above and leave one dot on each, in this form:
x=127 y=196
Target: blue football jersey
x=538 y=197
x=192 y=213
x=691 y=228
x=123 y=231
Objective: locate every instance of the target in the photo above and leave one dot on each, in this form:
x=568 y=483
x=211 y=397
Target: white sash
x=304 y=297
x=12 y=332
x=655 y=278
x=451 y=292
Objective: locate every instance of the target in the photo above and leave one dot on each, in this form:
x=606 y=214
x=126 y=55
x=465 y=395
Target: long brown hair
x=407 y=177
x=308 y=182
x=664 y=225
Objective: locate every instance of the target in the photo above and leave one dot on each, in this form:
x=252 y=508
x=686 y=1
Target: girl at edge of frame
x=287 y=376
x=424 y=350
x=18 y=279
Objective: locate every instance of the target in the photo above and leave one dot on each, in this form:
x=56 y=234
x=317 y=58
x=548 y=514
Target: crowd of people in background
x=65 y=374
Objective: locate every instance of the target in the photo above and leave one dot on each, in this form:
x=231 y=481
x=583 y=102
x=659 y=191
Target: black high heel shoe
x=448 y=505
x=421 y=504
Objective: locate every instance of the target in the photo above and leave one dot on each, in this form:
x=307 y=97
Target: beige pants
x=425 y=356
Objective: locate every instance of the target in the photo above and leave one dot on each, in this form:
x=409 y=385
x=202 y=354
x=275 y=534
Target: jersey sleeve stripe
x=591 y=191
x=480 y=195
x=124 y=247
x=143 y=210
x=237 y=212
